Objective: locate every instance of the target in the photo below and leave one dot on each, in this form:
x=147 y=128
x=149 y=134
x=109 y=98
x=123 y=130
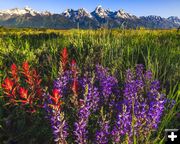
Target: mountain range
x=81 y=18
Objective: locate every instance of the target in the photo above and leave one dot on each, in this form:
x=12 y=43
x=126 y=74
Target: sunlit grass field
x=117 y=49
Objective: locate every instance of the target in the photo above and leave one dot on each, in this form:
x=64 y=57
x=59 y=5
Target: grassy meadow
x=116 y=49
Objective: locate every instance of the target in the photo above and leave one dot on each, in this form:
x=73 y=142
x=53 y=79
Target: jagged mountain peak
x=67 y=12
x=28 y=8
x=84 y=12
x=98 y=7
x=101 y=12
x=107 y=13
x=31 y=11
x=174 y=19
x=76 y=14
x=121 y=13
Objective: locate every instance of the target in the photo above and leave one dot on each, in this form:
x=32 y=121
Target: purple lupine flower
x=59 y=127
x=92 y=98
x=90 y=103
x=139 y=71
x=155 y=85
x=91 y=92
x=148 y=75
x=129 y=76
x=156 y=107
x=101 y=72
x=142 y=103
x=123 y=125
x=102 y=135
x=63 y=81
x=108 y=85
x=57 y=121
x=81 y=125
x=56 y=116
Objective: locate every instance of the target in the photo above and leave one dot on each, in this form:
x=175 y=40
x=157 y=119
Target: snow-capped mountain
x=100 y=12
x=122 y=14
x=24 y=11
x=100 y=17
x=174 y=19
x=76 y=14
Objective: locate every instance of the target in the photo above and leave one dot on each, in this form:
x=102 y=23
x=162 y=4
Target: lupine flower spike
x=53 y=107
x=142 y=107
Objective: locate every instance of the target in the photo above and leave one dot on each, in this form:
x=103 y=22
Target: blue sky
x=163 y=8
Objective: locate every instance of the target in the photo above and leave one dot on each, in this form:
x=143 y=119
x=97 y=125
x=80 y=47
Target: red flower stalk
x=56 y=100
x=9 y=89
x=75 y=87
x=37 y=83
x=64 y=58
x=26 y=72
x=8 y=84
x=33 y=80
x=24 y=95
x=14 y=72
x=25 y=66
